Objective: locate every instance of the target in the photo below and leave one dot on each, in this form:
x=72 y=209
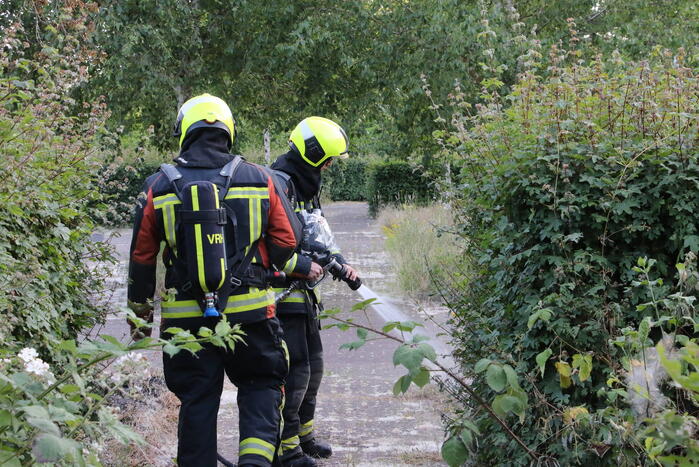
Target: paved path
x=357 y=412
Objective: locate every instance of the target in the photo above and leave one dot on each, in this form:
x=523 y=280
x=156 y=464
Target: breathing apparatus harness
x=317 y=243
x=203 y=218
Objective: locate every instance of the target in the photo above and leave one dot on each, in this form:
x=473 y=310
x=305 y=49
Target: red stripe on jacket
x=147 y=243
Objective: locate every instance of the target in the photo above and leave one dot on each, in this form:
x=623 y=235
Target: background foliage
x=563 y=138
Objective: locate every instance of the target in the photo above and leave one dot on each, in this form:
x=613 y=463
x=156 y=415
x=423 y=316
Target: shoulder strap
x=173 y=175
x=227 y=172
x=288 y=208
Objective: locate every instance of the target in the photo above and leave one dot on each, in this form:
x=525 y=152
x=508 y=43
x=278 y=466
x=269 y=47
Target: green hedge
x=346 y=180
x=395 y=183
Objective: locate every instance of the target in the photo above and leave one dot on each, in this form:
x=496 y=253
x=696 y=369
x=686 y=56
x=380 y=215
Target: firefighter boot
x=317 y=449
x=301 y=460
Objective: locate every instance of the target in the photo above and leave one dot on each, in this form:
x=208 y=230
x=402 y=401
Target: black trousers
x=302 y=336
x=258 y=368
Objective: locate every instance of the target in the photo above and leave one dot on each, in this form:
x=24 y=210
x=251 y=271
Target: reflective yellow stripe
x=295 y=297
x=291 y=264
x=249 y=301
x=167 y=204
x=257 y=446
x=248 y=192
x=181 y=309
x=258 y=218
x=236 y=304
x=288 y=361
x=165 y=200
x=223 y=260
x=198 y=241
x=306 y=428
x=290 y=444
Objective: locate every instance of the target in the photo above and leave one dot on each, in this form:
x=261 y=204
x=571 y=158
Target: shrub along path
x=357 y=412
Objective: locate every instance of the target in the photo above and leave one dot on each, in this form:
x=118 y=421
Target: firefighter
x=258 y=229
x=314 y=143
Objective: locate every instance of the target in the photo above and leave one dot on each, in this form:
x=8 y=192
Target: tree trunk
x=266 y=139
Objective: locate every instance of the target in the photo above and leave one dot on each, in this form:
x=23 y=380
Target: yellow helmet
x=204 y=111
x=317 y=139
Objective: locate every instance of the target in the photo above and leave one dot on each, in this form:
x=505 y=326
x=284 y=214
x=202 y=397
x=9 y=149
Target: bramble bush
x=52 y=272
x=558 y=189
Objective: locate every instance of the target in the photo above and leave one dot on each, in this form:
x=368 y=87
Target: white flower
x=130 y=367
x=33 y=364
x=27 y=354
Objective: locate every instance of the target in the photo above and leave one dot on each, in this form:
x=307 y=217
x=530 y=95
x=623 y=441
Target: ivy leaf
x=8 y=459
x=407 y=356
x=512 y=379
x=482 y=365
x=222 y=327
x=352 y=345
x=691 y=242
x=388 y=327
x=564 y=372
x=454 y=451
x=584 y=364
x=5 y=418
x=51 y=448
x=170 y=349
x=496 y=378
x=44 y=425
x=427 y=351
x=422 y=377
x=541 y=360
x=363 y=304
x=543 y=314
x=505 y=403
x=401 y=385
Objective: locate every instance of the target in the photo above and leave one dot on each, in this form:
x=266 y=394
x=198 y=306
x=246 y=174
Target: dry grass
x=422 y=258
x=155 y=419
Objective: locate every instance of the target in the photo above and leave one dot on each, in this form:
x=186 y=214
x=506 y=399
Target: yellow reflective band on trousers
x=296 y=296
x=198 y=241
x=290 y=444
x=253 y=300
x=257 y=446
x=306 y=428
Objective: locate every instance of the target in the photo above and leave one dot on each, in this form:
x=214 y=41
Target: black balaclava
x=206 y=148
x=306 y=178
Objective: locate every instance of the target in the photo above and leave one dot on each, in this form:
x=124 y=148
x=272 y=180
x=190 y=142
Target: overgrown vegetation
x=423 y=255
x=586 y=169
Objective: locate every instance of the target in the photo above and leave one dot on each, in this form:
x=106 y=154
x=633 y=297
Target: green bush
x=558 y=193
x=121 y=186
x=52 y=272
x=396 y=183
x=346 y=180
